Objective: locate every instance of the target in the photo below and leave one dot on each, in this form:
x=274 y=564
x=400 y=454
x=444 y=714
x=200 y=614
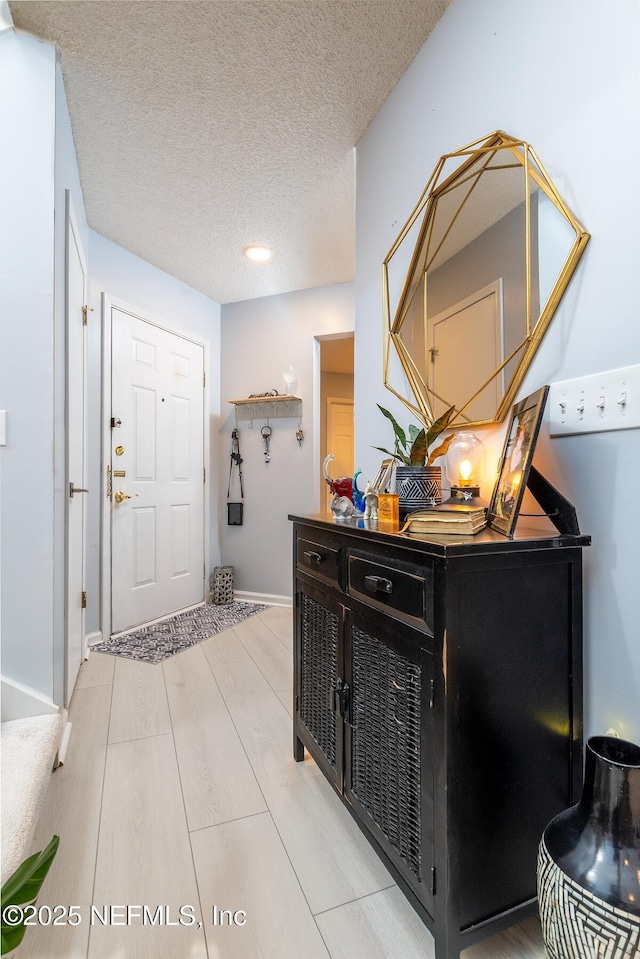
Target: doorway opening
x=336 y=409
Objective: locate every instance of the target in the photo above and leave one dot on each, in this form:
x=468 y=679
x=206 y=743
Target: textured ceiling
x=203 y=127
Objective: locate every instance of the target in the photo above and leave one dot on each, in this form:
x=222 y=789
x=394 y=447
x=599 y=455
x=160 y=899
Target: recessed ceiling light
x=258 y=253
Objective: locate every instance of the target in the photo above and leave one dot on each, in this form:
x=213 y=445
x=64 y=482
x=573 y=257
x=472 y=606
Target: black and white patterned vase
x=418 y=487
x=589 y=861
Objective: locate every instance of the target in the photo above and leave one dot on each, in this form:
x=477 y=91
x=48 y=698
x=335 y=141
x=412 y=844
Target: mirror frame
x=440 y=183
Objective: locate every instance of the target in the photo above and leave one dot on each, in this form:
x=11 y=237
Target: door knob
x=120 y=497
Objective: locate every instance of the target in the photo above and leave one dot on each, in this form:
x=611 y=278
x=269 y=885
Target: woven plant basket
x=418 y=487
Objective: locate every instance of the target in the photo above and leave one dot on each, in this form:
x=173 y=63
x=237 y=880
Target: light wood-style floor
x=180 y=789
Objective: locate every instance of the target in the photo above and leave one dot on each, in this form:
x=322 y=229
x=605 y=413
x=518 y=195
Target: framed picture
x=383 y=476
x=515 y=462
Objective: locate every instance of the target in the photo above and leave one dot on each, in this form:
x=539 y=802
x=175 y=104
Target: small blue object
x=356 y=495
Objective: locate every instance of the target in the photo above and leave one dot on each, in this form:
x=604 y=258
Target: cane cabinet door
x=320 y=679
x=388 y=743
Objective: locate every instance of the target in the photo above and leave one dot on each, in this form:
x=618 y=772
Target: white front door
x=76 y=275
x=157 y=472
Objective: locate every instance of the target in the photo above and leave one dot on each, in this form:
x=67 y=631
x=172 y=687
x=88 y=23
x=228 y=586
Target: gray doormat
x=152 y=644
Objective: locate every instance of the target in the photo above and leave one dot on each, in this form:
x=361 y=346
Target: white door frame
x=71 y=227
x=110 y=303
x=318 y=484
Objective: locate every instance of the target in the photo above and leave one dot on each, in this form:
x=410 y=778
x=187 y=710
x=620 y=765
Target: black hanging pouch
x=235 y=510
x=234 y=514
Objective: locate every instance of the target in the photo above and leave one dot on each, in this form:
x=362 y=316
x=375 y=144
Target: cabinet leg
x=446 y=946
x=298 y=749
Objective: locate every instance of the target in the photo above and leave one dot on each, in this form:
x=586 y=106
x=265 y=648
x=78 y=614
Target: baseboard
x=92 y=638
x=22 y=702
x=271 y=599
x=63 y=743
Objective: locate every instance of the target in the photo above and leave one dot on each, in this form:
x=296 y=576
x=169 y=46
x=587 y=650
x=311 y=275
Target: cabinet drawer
x=319 y=559
x=402 y=593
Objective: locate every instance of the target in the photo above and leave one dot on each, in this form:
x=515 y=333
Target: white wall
x=38 y=165
x=259 y=339
x=27 y=118
x=126 y=277
x=564 y=77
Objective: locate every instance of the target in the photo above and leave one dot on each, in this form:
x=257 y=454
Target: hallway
x=180 y=790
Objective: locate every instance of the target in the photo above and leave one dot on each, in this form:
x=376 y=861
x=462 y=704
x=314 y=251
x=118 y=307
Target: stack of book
x=447 y=518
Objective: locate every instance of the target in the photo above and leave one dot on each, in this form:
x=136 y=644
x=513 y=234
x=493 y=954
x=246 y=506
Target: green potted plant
x=418 y=481
x=20 y=892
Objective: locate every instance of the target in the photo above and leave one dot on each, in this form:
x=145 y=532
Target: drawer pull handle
x=311 y=557
x=378 y=584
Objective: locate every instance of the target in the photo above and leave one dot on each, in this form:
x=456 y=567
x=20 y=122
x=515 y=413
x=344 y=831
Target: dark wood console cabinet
x=438 y=685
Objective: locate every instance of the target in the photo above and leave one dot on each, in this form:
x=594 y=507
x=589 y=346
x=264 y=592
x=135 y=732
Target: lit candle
x=465 y=473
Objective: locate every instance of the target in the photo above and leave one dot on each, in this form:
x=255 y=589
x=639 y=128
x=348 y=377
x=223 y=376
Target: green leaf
x=418 y=451
x=441 y=450
x=440 y=424
x=12 y=936
x=401 y=436
x=22 y=887
x=414 y=431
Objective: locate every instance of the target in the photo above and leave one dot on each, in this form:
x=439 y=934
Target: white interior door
x=339 y=438
x=76 y=279
x=157 y=464
x=465 y=348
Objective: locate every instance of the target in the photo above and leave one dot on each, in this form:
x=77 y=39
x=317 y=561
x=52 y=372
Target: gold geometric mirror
x=473 y=280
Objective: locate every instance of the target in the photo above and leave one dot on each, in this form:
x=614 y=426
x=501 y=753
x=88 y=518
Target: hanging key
x=266 y=437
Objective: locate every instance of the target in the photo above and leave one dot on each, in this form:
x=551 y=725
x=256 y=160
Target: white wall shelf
x=268 y=407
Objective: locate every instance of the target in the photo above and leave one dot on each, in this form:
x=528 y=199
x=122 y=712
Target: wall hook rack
x=266 y=408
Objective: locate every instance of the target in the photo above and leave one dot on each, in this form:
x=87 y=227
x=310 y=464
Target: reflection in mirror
x=474 y=278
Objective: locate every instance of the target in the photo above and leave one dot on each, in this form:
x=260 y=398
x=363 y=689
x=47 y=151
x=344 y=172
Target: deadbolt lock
x=120 y=497
x=119 y=450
